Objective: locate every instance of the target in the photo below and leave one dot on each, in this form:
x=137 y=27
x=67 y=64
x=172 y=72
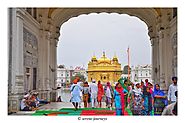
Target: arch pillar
x=155 y=60
x=167 y=27
x=162 y=60
x=17 y=83
x=44 y=48
x=48 y=58
x=155 y=54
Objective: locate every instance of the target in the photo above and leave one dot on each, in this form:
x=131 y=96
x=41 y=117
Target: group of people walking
x=142 y=98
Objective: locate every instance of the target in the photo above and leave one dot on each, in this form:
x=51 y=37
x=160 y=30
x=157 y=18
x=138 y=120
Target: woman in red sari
x=100 y=93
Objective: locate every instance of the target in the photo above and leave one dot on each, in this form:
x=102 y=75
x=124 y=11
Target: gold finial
x=103 y=53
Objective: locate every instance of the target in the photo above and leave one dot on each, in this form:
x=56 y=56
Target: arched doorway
x=158 y=32
x=85 y=37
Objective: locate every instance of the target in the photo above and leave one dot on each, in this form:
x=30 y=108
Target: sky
x=87 y=35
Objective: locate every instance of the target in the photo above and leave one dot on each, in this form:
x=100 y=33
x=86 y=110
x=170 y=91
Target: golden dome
x=93 y=58
x=115 y=58
x=104 y=58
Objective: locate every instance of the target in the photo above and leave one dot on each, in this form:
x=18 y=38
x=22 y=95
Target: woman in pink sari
x=100 y=93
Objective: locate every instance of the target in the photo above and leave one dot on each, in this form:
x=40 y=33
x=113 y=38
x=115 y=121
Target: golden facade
x=104 y=69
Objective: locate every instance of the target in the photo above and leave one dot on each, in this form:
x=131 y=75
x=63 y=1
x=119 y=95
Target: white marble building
x=141 y=72
x=34 y=34
x=80 y=70
x=63 y=75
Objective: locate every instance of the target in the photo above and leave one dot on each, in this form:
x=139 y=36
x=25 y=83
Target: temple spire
x=103 y=53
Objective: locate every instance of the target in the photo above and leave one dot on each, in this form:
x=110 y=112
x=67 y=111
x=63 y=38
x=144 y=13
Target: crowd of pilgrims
x=142 y=98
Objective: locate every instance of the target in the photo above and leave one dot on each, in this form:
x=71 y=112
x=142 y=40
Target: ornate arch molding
x=145 y=14
x=148 y=15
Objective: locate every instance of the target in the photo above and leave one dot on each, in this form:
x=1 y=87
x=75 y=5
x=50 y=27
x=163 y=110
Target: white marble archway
x=160 y=25
x=162 y=29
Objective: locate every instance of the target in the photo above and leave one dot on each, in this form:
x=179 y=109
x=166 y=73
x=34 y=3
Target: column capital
x=151 y=32
x=20 y=14
x=152 y=42
x=161 y=34
x=47 y=34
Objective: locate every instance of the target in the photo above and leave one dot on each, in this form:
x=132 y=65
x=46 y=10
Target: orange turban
x=75 y=81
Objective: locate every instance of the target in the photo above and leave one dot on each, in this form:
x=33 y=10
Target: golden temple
x=104 y=69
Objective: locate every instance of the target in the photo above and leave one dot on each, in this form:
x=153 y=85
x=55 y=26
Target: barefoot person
x=119 y=94
x=159 y=100
x=109 y=95
x=171 y=91
x=93 y=90
x=85 y=93
x=75 y=92
x=100 y=93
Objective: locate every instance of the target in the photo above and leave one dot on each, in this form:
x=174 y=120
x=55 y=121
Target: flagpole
x=128 y=51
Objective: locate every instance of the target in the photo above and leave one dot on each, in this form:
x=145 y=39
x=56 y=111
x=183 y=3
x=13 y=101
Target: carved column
x=157 y=69
x=155 y=54
x=47 y=60
x=18 y=86
x=53 y=60
x=19 y=54
x=44 y=64
x=162 y=53
x=168 y=61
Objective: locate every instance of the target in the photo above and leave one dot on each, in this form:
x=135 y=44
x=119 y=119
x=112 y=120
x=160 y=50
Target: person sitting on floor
x=24 y=104
x=59 y=99
x=33 y=101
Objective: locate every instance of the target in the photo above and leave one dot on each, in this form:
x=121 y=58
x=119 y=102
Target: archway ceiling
x=61 y=15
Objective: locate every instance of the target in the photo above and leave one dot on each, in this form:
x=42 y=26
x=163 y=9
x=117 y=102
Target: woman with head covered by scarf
x=109 y=95
x=100 y=93
x=147 y=102
x=160 y=100
x=137 y=99
x=119 y=94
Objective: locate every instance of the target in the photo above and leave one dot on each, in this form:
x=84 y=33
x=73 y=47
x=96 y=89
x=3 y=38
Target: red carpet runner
x=79 y=112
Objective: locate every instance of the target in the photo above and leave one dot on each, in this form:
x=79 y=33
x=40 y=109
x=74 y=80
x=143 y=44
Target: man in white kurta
x=80 y=83
x=93 y=90
x=75 y=93
x=171 y=91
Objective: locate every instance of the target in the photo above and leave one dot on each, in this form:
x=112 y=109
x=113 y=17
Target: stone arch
x=148 y=16
x=157 y=19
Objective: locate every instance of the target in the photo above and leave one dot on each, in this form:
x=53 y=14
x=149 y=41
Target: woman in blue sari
x=147 y=101
x=119 y=94
x=160 y=100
